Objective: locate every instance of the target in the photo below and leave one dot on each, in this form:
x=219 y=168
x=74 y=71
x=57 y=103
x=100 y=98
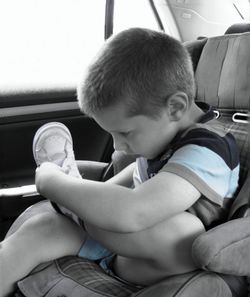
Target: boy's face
x=140 y=135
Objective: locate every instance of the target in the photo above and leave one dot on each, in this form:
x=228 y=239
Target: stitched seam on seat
x=231 y=244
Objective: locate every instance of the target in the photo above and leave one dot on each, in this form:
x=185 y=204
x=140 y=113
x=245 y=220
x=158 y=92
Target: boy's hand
x=44 y=173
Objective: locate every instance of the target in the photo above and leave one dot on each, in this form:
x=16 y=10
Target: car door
x=42 y=57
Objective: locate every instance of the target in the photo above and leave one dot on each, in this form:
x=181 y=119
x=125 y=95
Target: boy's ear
x=177 y=105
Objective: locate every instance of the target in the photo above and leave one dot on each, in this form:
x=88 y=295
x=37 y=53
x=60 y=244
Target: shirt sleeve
x=206 y=170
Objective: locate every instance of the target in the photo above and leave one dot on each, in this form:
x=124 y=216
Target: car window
x=189 y=20
x=48 y=42
x=131 y=13
x=242 y=6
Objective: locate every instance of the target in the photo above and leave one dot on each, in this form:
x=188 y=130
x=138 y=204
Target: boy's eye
x=125 y=133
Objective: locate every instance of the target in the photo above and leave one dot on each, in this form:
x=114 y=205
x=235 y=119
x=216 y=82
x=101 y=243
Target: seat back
x=223 y=80
x=238 y=28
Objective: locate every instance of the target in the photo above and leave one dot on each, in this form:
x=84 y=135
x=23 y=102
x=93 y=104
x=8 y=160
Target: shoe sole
x=39 y=134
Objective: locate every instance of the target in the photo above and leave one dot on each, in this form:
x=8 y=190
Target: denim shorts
x=94 y=251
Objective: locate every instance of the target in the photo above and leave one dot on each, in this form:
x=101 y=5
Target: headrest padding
x=223 y=72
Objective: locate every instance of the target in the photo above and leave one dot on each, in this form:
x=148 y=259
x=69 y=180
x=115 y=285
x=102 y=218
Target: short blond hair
x=139 y=68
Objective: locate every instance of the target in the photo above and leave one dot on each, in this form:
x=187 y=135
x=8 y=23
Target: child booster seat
x=222 y=72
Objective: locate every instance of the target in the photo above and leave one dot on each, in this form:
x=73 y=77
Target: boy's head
x=140 y=69
x=138 y=89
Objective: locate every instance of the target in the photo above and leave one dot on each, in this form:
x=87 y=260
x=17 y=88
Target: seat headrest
x=223 y=72
x=238 y=28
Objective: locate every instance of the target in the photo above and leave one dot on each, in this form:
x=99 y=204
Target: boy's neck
x=192 y=116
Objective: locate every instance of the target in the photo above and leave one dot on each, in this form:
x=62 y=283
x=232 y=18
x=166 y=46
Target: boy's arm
x=114 y=207
x=124 y=177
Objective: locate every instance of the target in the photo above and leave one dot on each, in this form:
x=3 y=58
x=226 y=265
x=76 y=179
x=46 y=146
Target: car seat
x=222 y=70
x=238 y=28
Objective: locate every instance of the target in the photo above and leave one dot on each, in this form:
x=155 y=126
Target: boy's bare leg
x=144 y=257
x=42 y=238
x=152 y=254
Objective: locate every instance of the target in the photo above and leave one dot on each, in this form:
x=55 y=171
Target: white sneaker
x=53 y=143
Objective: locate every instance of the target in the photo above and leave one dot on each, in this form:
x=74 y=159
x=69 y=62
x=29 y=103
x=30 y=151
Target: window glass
x=242 y=7
x=133 y=13
x=48 y=42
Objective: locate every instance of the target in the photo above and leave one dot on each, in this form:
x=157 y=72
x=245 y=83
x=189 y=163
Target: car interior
x=221 y=64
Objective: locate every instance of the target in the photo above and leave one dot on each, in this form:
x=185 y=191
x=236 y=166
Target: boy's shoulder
x=204 y=140
x=213 y=136
x=208 y=152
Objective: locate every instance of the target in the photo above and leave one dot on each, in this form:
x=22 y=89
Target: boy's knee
x=45 y=224
x=55 y=234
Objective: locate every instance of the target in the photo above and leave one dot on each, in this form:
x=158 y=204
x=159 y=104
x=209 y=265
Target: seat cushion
x=75 y=277
x=225 y=248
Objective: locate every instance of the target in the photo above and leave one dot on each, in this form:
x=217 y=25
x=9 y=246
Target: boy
x=140 y=89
